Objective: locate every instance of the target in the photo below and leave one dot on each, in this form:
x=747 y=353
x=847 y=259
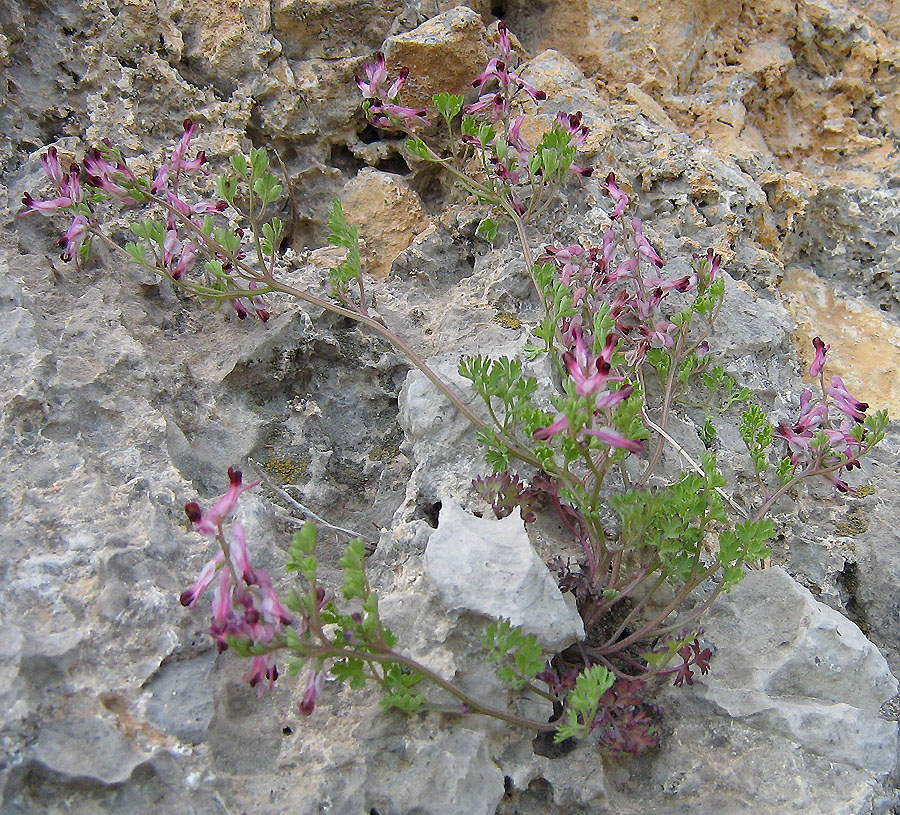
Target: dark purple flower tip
x=193 y=512
x=187 y=124
x=235 y=476
x=307 y=704
x=540 y=95
x=187 y=597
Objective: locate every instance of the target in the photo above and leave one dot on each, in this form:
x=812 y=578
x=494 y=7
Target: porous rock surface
x=764 y=130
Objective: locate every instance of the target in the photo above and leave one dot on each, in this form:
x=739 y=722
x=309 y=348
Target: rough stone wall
x=766 y=130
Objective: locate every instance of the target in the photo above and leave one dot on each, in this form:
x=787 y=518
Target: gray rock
x=453 y=772
x=180 y=698
x=490 y=568
x=801 y=671
x=86 y=748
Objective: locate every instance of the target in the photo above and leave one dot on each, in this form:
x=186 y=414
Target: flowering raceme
x=175 y=245
x=245 y=606
x=380 y=102
x=818 y=443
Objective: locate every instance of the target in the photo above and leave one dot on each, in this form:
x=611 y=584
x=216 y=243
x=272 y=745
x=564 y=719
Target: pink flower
x=183 y=143
x=209 y=523
x=571 y=123
x=376 y=74
x=505 y=46
x=74 y=238
x=170 y=247
x=514 y=136
x=844 y=402
x=262 y=670
x=705 y=269
x=54 y=172
x=207 y=574
x=811 y=414
x=161 y=179
x=642 y=245
x=313 y=689
x=245 y=604
x=590 y=372
x=45 y=207
x=560 y=425
x=186 y=261
x=614 y=439
x=815 y=370
x=619 y=198
x=382 y=109
x=798 y=443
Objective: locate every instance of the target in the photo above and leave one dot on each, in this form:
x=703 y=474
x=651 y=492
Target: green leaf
x=228 y=240
x=399 y=682
x=239 y=164
x=583 y=701
x=267 y=188
x=137 y=251
x=352 y=563
x=418 y=148
x=447 y=105
x=259 y=162
x=226 y=186
x=350 y=671
x=272 y=233
x=519 y=655
x=346 y=235
x=488 y=229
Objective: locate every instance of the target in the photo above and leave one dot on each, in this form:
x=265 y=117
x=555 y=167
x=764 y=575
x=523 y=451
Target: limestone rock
x=388 y=214
x=489 y=567
x=90 y=749
x=443 y=54
x=804 y=671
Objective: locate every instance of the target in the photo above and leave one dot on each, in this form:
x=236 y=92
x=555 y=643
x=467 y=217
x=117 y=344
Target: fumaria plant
x=628 y=347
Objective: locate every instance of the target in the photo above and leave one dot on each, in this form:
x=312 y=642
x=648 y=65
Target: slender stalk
x=471 y=705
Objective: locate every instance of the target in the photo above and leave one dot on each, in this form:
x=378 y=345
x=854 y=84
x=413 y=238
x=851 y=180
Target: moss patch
x=285 y=470
x=507 y=319
x=854 y=525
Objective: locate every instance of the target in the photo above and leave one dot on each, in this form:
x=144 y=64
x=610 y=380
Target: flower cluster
x=613 y=292
x=176 y=244
x=819 y=441
x=380 y=104
x=509 y=83
x=69 y=196
x=600 y=279
x=245 y=606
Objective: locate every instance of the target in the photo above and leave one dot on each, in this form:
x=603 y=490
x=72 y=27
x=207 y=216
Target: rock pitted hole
x=343 y=158
x=393 y=164
x=370 y=135
x=432 y=513
x=544 y=745
x=848 y=582
x=498 y=10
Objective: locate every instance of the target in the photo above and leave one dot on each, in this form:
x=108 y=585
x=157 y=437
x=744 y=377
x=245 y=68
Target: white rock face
x=489 y=567
x=796 y=667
